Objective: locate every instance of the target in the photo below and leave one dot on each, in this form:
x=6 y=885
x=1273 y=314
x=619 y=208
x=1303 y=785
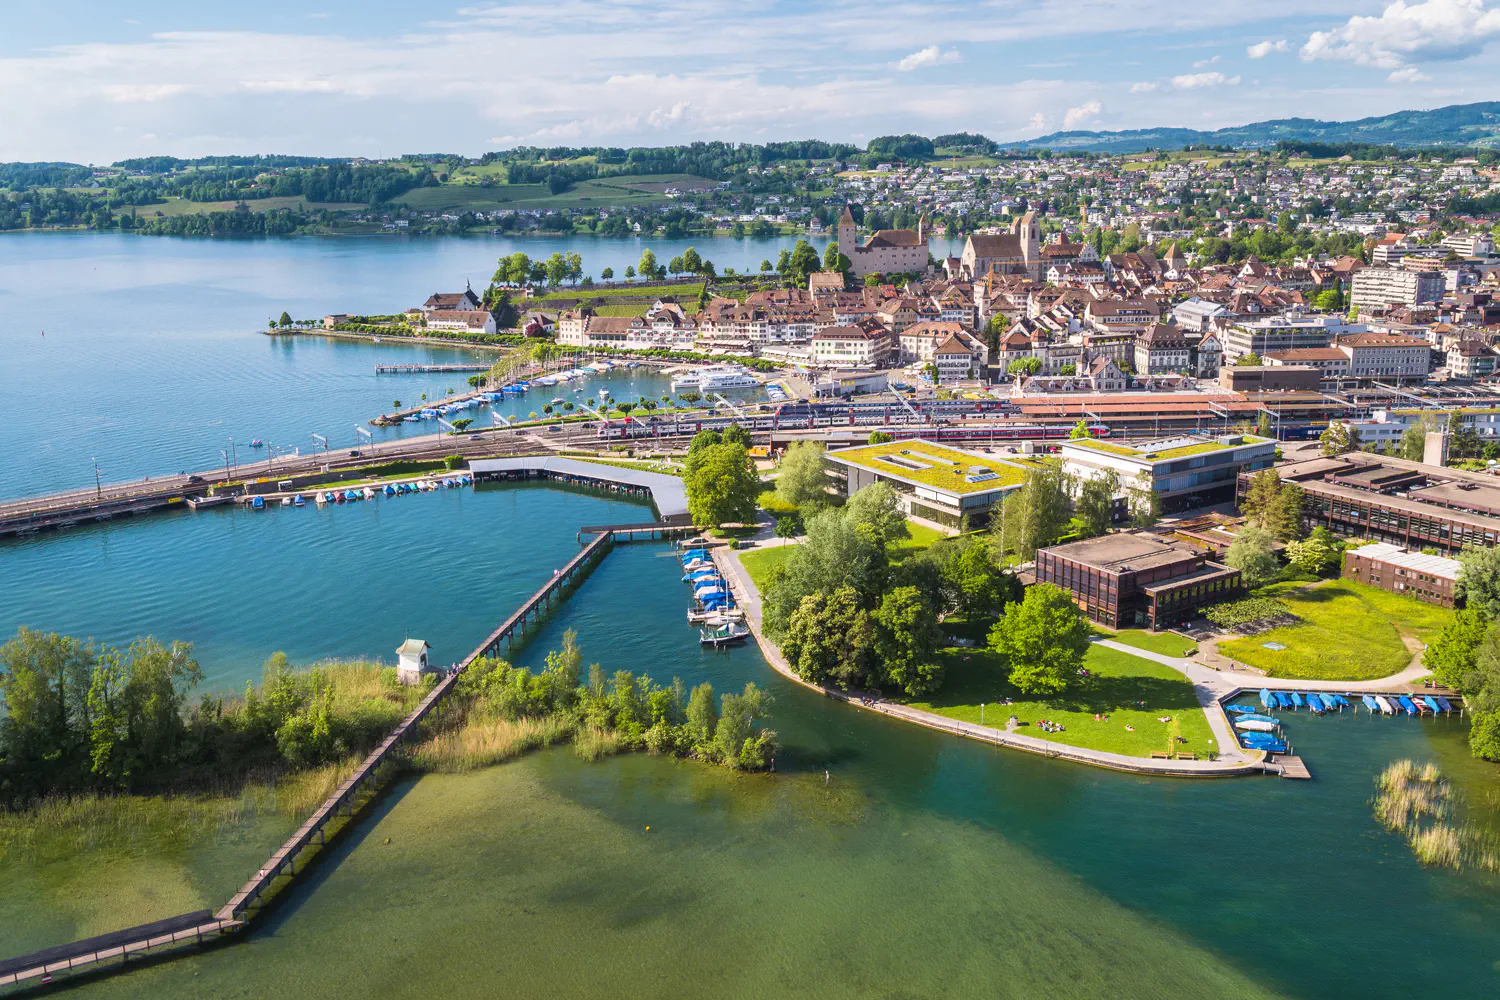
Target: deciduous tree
x=1043 y=639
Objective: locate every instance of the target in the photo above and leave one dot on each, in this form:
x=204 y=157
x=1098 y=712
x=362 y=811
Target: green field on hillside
x=181 y=206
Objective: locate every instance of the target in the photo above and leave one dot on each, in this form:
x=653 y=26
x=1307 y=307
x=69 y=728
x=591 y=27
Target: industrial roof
x=666 y=491
x=1438 y=566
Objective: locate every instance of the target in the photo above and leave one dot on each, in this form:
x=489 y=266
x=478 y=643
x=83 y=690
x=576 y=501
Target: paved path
x=1230 y=763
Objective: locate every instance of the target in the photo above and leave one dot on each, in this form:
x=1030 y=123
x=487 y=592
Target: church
x=887 y=251
x=1016 y=252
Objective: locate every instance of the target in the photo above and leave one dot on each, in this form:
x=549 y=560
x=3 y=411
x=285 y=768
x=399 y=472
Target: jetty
x=427 y=369
x=346 y=801
x=666 y=492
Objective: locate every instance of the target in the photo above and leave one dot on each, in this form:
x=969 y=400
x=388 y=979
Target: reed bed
x=485 y=741
x=1416 y=801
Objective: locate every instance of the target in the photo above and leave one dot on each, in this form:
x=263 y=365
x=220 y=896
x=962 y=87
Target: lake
x=922 y=866
x=145 y=353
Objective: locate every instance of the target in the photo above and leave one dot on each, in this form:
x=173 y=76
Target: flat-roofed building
x=1428 y=578
x=1269 y=378
x=1134 y=579
x=1387 y=499
x=1185 y=470
x=1374 y=287
x=942 y=484
x=1385 y=355
x=1284 y=332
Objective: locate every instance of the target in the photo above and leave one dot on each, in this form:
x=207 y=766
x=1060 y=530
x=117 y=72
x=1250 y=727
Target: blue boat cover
x=1407 y=704
x=1370 y=702
x=1296 y=699
x=1430 y=703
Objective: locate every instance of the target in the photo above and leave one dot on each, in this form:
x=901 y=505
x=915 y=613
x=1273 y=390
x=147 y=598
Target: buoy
x=648 y=828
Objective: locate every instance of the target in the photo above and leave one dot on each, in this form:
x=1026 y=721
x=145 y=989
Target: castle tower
x=848 y=234
x=922 y=228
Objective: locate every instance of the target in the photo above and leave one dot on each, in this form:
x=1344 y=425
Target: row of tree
x=1466 y=654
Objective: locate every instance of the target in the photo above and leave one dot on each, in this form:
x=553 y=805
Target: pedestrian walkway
x=1231 y=762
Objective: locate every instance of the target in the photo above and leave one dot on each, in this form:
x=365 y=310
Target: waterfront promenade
x=1231 y=761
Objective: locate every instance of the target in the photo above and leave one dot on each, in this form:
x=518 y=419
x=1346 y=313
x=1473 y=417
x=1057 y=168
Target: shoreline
x=750 y=600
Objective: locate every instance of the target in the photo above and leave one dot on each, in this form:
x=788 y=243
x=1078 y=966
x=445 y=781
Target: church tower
x=848 y=234
x=1030 y=233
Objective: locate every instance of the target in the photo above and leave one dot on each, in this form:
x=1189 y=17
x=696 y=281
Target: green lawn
x=761 y=563
x=921 y=537
x=1118 y=685
x=1348 y=632
x=1157 y=642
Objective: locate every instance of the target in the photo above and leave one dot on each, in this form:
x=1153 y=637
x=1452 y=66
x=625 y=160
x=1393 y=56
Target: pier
x=346 y=802
x=665 y=492
x=427 y=369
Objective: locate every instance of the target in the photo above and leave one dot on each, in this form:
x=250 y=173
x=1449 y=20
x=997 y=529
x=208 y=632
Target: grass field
x=1157 y=642
x=1348 y=631
x=645 y=290
x=761 y=563
x=181 y=206
x=474 y=198
x=1133 y=692
x=635 y=310
x=656 y=183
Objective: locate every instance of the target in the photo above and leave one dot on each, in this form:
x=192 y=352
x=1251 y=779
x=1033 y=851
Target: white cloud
x=1408 y=74
x=1201 y=81
x=1144 y=88
x=1081 y=114
x=1262 y=49
x=1205 y=62
x=1434 y=30
x=1038 y=123
x=142 y=93
x=933 y=55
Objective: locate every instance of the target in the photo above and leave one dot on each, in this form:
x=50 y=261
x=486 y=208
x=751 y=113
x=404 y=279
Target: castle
x=888 y=251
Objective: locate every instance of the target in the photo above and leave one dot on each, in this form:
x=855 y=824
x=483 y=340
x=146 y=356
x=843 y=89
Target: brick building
x=1135 y=580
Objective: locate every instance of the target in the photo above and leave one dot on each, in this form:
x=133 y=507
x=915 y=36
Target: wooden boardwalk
x=1287 y=766
x=346 y=800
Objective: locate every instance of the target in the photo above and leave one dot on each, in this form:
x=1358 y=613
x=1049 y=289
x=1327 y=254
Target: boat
x=1282 y=700
x=1267 y=699
x=1329 y=704
x=1255 y=725
x=203 y=503
x=389 y=490
x=369 y=494
x=713 y=378
x=286 y=501
x=1341 y=701
x=1386 y=708
x=1243 y=709
x=257 y=443
x=258 y=502
x=350 y=495
x=1297 y=701
x=712 y=588
x=1431 y=703
x=297 y=501
x=723 y=635
x=1406 y=705
x=1446 y=705
x=1370 y=702
x=1258 y=718
x=411 y=419
x=702 y=574
x=321 y=498
x=1314 y=705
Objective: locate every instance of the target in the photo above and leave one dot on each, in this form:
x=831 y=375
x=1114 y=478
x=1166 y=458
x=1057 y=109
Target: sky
x=94 y=81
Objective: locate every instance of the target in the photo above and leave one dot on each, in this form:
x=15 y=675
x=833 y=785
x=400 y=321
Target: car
x=354 y=453
x=195 y=479
x=554 y=429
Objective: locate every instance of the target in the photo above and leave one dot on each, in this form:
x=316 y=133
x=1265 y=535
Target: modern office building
x=942 y=484
x=1135 y=579
x=1289 y=331
x=1386 y=499
x=1185 y=471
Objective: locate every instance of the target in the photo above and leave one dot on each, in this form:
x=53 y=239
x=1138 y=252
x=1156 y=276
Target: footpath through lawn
x=1348 y=631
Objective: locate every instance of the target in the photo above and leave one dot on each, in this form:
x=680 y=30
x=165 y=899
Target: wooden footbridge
x=302 y=846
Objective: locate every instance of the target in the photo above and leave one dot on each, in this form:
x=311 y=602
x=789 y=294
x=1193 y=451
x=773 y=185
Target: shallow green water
x=927 y=867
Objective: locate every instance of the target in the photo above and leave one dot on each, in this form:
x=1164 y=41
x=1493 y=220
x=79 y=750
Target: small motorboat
x=258 y=503
x=723 y=635
x=1240 y=709
x=411 y=419
x=286 y=501
x=257 y=443
x=1255 y=725
x=369 y=493
x=321 y=498
x=297 y=501
x=1258 y=718
x=1370 y=702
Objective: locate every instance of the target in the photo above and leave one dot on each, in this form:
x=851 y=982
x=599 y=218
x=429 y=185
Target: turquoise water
x=935 y=866
x=926 y=866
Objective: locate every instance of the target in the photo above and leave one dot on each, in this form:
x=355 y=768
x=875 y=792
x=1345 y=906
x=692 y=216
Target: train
x=901 y=425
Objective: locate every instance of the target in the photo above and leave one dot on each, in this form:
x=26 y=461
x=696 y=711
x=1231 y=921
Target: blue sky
x=95 y=81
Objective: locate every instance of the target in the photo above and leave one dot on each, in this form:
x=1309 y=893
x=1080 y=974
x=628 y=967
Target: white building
x=1379 y=355
x=1374 y=287
x=411 y=661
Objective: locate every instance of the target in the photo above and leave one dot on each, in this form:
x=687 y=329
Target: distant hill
x=1455 y=125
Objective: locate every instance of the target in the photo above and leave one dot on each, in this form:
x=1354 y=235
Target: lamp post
x=98 y=489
